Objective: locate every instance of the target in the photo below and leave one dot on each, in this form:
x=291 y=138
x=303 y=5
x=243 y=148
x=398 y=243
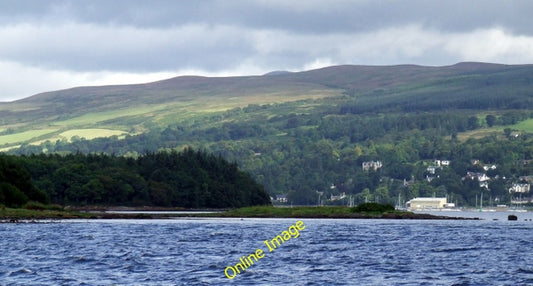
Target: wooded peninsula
x=189 y=179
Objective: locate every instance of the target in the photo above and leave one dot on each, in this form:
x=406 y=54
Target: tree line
x=190 y=179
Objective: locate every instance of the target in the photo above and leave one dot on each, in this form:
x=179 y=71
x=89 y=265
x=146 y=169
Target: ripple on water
x=327 y=252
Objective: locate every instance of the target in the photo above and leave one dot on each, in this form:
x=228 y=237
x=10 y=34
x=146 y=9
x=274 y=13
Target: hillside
x=299 y=133
x=90 y=112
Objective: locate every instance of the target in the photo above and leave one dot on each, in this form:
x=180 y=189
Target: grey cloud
x=326 y=17
x=224 y=36
x=89 y=47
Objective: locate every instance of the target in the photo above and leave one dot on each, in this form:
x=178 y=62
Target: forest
x=319 y=153
x=189 y=179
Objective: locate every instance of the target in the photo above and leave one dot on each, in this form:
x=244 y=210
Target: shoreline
x=24 y=215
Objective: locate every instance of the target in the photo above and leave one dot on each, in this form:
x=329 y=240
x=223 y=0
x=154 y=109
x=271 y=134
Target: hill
x=299 y=133
x=132 y=109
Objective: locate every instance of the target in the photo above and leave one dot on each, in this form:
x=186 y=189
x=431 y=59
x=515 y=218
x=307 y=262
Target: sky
x=57 y=44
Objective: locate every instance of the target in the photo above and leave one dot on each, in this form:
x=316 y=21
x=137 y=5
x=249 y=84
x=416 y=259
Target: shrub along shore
x=364 y=211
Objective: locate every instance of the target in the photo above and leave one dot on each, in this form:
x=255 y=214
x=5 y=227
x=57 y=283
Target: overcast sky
x=47 y=44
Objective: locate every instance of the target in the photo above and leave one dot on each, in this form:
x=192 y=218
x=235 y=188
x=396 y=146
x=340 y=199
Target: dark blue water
x=327 y=252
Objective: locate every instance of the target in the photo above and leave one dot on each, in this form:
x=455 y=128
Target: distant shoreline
x=24 y=215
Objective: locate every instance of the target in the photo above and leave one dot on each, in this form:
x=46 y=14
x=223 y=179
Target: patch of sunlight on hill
x=526 y=126
x=95 y=117
x=24 y=136
x=9 y=148
x=91 y=133
x=480 y=133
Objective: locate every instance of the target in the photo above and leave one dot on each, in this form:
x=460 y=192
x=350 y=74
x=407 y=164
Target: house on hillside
x=339 y=197
x=482 y=177
x=440 y=163
x=281 y=198
x=437 y=164
x=528 y=179
x=490 y=167
x=410 y=182
x=519 y=188
x=372 y=165
x=431 y=169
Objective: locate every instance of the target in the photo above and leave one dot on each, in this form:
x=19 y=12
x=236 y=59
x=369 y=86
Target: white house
x=519 y=188
x=442 y=163
x=431 y=169
x=339 y=197
x=491 y=167
x=482 y=177
x=374 y=165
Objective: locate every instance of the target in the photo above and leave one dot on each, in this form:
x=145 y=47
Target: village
x=518 y=189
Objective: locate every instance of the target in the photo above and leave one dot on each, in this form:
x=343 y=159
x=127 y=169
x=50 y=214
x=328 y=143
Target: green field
x=526 y=126
x=25 y=136
x=91 y=133
x=97 y=117
x=480 y=133
x=36 y=137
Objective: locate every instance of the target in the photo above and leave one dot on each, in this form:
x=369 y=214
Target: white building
x=482 y=177
x=519 y=188
x=489 y=167
x=426 y=203
x=374 y=165
x=440 y=163
x=339 y=197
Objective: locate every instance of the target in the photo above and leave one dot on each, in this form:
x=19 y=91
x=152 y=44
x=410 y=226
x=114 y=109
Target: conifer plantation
x=190 y=179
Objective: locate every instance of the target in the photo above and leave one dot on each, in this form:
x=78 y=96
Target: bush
x=12 y=196
x=32 y=205
x=373 y=207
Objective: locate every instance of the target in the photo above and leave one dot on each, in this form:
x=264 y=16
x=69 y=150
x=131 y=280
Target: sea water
x=326 y=252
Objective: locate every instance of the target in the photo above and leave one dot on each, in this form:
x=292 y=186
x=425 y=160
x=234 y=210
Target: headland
x=365 y=211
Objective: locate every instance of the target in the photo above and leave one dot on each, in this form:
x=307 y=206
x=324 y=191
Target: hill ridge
x=192 y=80
x=197 y=78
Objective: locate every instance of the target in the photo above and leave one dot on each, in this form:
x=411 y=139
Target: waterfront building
x=426 y=203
